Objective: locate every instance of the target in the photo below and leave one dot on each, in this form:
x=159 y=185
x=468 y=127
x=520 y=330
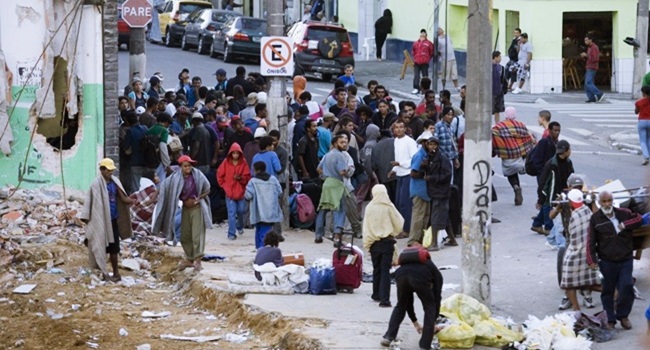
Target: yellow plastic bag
x=465 y=308
x=494 y=334
x=458 y=335
x=427 y=240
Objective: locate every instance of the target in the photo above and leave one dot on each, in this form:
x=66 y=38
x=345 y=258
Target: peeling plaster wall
x=30 y=25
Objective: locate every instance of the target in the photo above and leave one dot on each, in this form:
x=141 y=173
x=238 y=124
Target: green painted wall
x=43 y=164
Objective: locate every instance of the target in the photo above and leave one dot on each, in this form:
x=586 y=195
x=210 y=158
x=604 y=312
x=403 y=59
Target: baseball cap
x=154 y=80
x=261 y=97
x=107 y=163
x=252 y=99
x=140 y=110
x=575 y=180
x=259 y=132
x=183 y=159
x=425 y=136
x=220 y=71
x=197 y=115
x=223 y=121
x=575 y=198
x=562 y=146
x=330 y=116
x=434 y=139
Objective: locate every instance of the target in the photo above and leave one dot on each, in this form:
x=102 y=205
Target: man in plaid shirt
x=447 y=145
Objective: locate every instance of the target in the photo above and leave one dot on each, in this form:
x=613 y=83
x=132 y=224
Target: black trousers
x=406 y=286
x=380 y=39
x=381 y=253
x=391 y=188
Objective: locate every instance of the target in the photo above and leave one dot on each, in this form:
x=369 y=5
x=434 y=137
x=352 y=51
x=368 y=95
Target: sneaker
x=495 y=220
x=625 y=323
x=516 y=91
x=540 y=230
x=646 y=161
x=385 y=342
x=591 y=101
x=240 y=232
x=610 y=326
x=232 y=238
x=415 y=91
x=588 y=302
x=318 y=240
x=565 y=304
x=402 y=235
x=601 y=97
x=552 y=246
x=388 y=304
x=519 y=199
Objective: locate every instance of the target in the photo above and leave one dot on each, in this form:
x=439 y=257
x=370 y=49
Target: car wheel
x=227 y=57
x=168 y=38
x=184 y=45
x=213 y=51
x=327 y=77
x=200 y=49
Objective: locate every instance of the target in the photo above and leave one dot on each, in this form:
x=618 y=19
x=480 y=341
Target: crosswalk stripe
x=572 y=141
x=603 y=115
x=615 y=120
x=616 y=126
x=582 y=132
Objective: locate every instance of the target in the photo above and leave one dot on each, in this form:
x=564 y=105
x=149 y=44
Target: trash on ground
x=200 y=339
x=150 y=314
x=24 y=289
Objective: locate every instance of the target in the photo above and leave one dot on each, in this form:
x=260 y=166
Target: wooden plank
x=408 y=62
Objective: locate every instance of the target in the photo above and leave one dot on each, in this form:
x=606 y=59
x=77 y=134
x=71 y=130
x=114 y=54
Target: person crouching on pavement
x=416 y=274
x=610 y=249
x=263 y=191
x=576 y=273
x=190 y=186
x=107 y=219
x=381 y=224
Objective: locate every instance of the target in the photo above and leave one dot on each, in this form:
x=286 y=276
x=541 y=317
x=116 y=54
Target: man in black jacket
x=513 y=55
x=545 y=149
x=610 y=248
x=240 y=79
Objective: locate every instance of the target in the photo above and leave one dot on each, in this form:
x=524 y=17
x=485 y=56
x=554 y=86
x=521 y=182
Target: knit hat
x=511 y=113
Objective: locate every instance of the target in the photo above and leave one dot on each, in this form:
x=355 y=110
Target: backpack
x=302 y=209
x=529 y=166
x=252 y=124
x=150 y=148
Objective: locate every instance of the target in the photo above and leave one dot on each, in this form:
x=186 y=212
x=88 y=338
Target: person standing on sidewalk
x=642 y=108
x=610 y=249
x=422 y=54
x=447 y=58
x=405 y=149
x=421 y=212
x=525 y=57
x=592 y=56
x=383 y=27
x=499 y=86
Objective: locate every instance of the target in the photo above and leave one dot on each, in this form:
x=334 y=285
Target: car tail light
x=302 y=47
x=176 y=17
x=240 y=37
x=211 y=28
x=347 y=50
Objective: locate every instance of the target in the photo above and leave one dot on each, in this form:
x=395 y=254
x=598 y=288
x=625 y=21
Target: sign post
x=137 y=14
x=276 y=54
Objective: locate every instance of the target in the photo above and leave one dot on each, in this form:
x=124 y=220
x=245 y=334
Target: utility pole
x=137 y=57
x=434 y=34
x=641 y=52
x=476 y=270
x=327 y=7
x=275 y=103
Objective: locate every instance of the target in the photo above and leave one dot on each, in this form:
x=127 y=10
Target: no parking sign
x=276 y=54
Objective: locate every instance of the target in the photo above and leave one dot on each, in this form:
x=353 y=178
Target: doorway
x=575 y=25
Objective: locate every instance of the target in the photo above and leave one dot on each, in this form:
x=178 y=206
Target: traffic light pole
x=137 y=56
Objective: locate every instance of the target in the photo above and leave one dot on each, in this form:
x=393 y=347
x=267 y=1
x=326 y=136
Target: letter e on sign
x=276 y=54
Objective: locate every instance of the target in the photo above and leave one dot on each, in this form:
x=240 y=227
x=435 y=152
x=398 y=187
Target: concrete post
x=137 y=56
x=111 y=88
x=477 y=163
x=640 y=53
x=275 y=103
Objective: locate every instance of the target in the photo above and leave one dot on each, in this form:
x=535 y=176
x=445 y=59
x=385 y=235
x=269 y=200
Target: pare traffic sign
x=137 y=13
x=276 y=54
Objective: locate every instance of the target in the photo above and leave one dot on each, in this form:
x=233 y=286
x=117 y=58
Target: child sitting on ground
x=269 y=252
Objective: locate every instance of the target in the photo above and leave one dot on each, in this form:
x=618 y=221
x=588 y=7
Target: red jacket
x=235 y=189
x=593 y=57
x=422 y=51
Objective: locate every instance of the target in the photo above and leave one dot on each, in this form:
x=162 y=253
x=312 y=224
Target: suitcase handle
x=341 y=242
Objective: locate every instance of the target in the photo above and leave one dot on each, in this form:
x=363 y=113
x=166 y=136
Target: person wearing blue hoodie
x=268 y=157
x=263 y=192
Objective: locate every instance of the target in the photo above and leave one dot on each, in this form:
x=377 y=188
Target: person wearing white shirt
x=447 y=59
x=306 y=15
x=405 y=149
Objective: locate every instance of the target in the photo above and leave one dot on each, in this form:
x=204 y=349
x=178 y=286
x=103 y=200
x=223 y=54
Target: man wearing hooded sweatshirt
x=421 y=212
x=365 y=157
x=233 y=176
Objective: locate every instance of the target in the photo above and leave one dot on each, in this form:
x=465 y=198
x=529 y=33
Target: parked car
x=173 y=18
x=202 y=25
x=240 y=36
x=123 y=29
x=321 y=47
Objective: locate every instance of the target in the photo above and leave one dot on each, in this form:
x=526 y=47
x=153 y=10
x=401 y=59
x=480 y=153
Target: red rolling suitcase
x=348 y=266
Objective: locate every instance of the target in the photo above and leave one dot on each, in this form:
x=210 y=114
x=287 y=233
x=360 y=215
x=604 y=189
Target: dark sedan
x=201 y=27
x=240 y=36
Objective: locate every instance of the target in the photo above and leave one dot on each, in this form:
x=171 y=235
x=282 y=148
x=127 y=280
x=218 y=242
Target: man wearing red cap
x=190 y=186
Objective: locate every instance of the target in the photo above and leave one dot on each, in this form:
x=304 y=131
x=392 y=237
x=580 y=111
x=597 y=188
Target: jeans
x=236 y=210
x=403 y=200
x=644 y=137
x=419 y=69
x=617 y=275
x=590 y=88
x=556 y=237
x=177 y=224
x=136 y=175
x=381 y=253
x=261 y=229
x=339 y=220
x=543 y=218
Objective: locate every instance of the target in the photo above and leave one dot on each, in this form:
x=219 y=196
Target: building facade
x=555 y=28
x=51 y=93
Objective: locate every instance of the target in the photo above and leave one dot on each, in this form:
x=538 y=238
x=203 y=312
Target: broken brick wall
x=53 y=49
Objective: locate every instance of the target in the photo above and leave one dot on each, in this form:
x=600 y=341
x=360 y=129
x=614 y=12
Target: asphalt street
x=524 y=278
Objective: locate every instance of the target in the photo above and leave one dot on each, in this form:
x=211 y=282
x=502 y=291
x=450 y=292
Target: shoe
x=516 y=91
x=519 y=199
x=318 y=240
x=451 y=244
x=385 y=304
x=170 y=243
x=402 y=235
x=625 y=323
x=540 y=230
x=610 y=326
x=232 y=238
x=433 y=248
x=646 y=161
x=495 y=220
x=281 y=238
x=415 y=91
x=553 y=247
x=588 y=302
x=591 y=101
x=240 y=232
x=565 y=304
x=601 y=97
x=385 y=342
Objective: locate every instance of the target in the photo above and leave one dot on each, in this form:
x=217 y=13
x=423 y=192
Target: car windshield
x=187 y=8
x=324 y=32
x=221 y=17
x=253 y=24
